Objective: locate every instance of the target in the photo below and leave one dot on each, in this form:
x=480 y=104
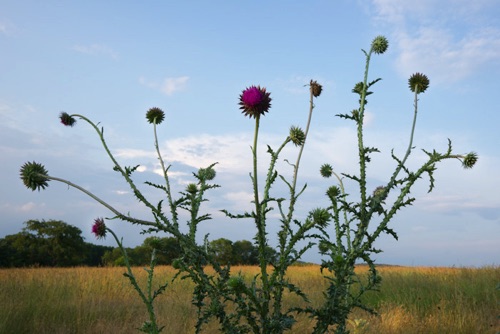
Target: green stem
x=165 y=176
x=148 y=302
x=97 y=199
x=260 y=221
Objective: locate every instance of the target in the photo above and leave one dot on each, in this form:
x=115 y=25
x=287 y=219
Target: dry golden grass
x=101 y=300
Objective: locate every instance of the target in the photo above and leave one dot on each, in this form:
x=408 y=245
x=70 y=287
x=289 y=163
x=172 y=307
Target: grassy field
x=100 y=300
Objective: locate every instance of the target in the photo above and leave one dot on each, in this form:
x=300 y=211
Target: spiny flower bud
x=326 y=170
x=333 y=192
x=155 y=115
x=33 y=176
x=206 y=174
x=255 y=101
x=99 y=228
x=379 y=193
x=470 y=160
x=418 y=83
x=297 y=136
x=320 y=217
x=192 y=188
x=67 y=119
x=380 y=44
x=315 y=88
x=358 y=88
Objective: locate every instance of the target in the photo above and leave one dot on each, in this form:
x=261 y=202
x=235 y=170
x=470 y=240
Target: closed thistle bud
x=333 y=192
x=418 y=83
x=297 y=136
x=320 y=217
x=33 y=176
x=380 y=44
x=470 y=160
x=326 y=170
x=155 y=115
x=206 y=174
x=192 y=188
x=316 y=88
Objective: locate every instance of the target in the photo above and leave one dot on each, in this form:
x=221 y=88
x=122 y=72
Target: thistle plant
x=351 y=240
x=344 y=231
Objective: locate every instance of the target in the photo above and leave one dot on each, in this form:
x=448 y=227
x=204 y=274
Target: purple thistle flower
x=67 y=119
x=255 y=101
x=99 y=228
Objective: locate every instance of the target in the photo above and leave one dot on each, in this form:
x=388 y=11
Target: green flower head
x=206 y=174
x=155 y=115
x=380 y=44
x=33 y=176
x=326 y=170
x=469 y=160
x=418 y=83
x=297 y=136
x=320 y=217
x=333 y=192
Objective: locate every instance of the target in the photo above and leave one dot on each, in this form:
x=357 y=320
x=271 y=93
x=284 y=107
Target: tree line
x=54 y=243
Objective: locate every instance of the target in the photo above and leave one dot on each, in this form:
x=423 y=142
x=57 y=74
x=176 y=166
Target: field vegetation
x=100 y=300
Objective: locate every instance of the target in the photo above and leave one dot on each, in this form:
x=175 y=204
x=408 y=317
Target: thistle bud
x=469 y=160
x=380 y=44
x=326 y=170
x=418 y=83
x=297 y=136
x=33 y=176
x=155 y=115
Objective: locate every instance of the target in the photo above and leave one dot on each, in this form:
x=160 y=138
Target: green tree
x=223 y=250
x=244 y=252
x=47 y=243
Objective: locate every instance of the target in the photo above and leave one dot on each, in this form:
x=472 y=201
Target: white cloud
x=96 y=49
x=447 y=45
x=168 y=86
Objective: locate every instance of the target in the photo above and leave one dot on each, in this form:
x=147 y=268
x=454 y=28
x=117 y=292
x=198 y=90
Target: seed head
x=155 y=115
x=33 y=176
x=315 y=88
x=418 y=83
x=255 y=101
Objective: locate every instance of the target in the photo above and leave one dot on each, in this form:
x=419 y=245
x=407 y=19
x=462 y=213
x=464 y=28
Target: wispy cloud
x=168 y=86
x=96 y=50
x=427 y=39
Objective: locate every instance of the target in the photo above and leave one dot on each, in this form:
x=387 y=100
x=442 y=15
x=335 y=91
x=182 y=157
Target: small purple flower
x=67 y=119
x=99 y=228
x=255 y=101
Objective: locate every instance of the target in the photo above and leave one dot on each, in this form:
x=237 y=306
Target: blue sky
x=113 y=60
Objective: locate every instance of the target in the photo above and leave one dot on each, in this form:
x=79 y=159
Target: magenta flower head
x=255 y=101
x=99 y=228
x=67 y=119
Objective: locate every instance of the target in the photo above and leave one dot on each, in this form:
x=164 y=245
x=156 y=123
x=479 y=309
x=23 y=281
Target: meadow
x=101 y=300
